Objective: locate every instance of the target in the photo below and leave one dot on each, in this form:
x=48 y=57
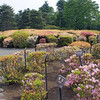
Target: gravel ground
x=9 y=51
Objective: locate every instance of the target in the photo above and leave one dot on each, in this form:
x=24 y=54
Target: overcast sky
x=32 y=4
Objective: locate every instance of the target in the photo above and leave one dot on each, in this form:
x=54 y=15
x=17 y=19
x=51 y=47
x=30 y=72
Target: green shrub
x=64 y=52
x=74 y=38
x=12 y=66
x=65 y=40
x=1 y=40
x=85 y=46
x=33 y=87
x=96 y=50
x=19 y=39
x=51 y=27
x=82 y=38
x=52 y=39
x=48 y=47
x=92 y=38
x=31 y=41
x=98 y=38
x=36 y=62
x=7 y=42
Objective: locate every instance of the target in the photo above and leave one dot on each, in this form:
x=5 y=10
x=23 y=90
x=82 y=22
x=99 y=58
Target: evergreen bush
x=19 y=39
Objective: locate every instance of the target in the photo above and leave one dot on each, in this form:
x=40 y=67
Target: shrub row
x=32 y=78
x=22 y=39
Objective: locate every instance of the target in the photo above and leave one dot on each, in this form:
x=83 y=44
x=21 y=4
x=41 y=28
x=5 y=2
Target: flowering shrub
x=74 y=62
x=98 y=38
x=96 y=50
x=33 y=87
x=36 y=61
x=42 y=40
x=74 y=38
x=64 y=52
x=7 y=42
x=12 y=67
x=87 y=34
x=31 y=41
x=85 y=46
x=82 y=38
x=92 y=38
x=52 y=39
x=1 y=40
x=21 y=53
x=65 y=40
x=85 y=81
x=46 y=46
x=19 y=39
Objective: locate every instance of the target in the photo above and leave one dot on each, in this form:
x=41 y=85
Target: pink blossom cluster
x=74 y=62
x=85 y=81
x=87 y=34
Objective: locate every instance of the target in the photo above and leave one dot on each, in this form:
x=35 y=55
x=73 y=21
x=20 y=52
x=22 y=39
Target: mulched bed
x=13 y=92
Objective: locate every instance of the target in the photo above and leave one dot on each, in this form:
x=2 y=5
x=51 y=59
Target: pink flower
x=95 y=91
x=79 y=89
x=78 y=95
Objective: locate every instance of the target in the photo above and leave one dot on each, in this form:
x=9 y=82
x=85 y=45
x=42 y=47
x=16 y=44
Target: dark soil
x=13 y=92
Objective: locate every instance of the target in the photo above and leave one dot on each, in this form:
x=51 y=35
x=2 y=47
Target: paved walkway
x=9 y=51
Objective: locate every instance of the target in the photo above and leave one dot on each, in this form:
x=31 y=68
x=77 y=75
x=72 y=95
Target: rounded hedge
x=19 y=39
x=96 y=50
x=92 y=39
x=85 y=46
x=65 y=40
x=52 y=39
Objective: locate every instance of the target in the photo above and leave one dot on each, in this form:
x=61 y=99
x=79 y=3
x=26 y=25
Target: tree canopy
x=7 y=20
x=70 y=14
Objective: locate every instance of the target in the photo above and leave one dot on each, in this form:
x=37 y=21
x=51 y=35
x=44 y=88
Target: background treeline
x=70 y=14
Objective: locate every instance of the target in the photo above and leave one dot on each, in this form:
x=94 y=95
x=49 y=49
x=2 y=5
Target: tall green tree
x=24 y=16
x=60 y=7
x=36 y=20
x=7 y=18
x=47 y=13
x=81 y=14
x=18 y=18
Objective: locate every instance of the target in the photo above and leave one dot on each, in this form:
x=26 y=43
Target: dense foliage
x=36 y=62
x=85 y=46
x=33 y=87
x=65 y=40
x=19 y=39
x=12 y=68
x=96 y=50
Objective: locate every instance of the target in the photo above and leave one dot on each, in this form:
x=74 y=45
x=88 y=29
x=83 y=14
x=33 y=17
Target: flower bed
x=33 y=87
x=85 y=81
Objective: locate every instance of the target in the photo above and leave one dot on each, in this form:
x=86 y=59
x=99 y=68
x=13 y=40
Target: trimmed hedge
x=85 y=46
x=65 y=40
x=92 y=38
x=12 y=68
x=96 y=50
x=36 y=61
x=19 y=39
x=1 y=40
x=52 y=39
